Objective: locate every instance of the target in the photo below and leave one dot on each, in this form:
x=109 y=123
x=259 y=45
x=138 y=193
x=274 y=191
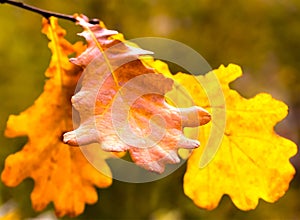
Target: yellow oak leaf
x=122 y=105
x=252 y=161
x=61 y=174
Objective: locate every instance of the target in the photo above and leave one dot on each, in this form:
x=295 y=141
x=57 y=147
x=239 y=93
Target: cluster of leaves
x=251 y=163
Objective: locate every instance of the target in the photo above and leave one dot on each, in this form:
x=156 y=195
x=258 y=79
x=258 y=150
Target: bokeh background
x=262 y=36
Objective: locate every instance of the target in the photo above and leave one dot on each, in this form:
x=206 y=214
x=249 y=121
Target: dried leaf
x=61 y=174
x=252 y=161
x=122 y=105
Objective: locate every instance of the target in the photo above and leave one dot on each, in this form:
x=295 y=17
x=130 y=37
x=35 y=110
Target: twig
x=44 y=13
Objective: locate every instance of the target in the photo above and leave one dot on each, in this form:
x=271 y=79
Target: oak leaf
x=61 y=174
x=122 y=104
x=252 y=161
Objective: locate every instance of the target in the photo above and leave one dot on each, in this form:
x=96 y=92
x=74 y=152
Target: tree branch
x=44 y=13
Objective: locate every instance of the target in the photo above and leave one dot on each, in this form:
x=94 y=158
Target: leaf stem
x=46 y=14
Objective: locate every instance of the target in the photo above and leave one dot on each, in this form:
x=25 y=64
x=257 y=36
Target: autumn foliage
x=62 y=175
x=252 y=161
x=113 y=69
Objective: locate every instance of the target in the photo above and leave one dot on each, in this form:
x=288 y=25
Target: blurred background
x=262 y=36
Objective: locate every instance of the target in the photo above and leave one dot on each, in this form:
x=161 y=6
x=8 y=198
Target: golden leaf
x=61 y=174
x=122 y=105
x=252 y=161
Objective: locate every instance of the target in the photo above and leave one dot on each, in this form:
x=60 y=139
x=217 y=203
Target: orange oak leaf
x=252 y=161
x=61 y=174
x=122 y=104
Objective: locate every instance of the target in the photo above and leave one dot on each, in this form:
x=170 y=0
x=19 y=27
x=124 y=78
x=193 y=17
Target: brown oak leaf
x=122 y=104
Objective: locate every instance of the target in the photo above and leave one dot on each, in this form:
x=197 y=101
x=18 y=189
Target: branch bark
x=43 y=12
